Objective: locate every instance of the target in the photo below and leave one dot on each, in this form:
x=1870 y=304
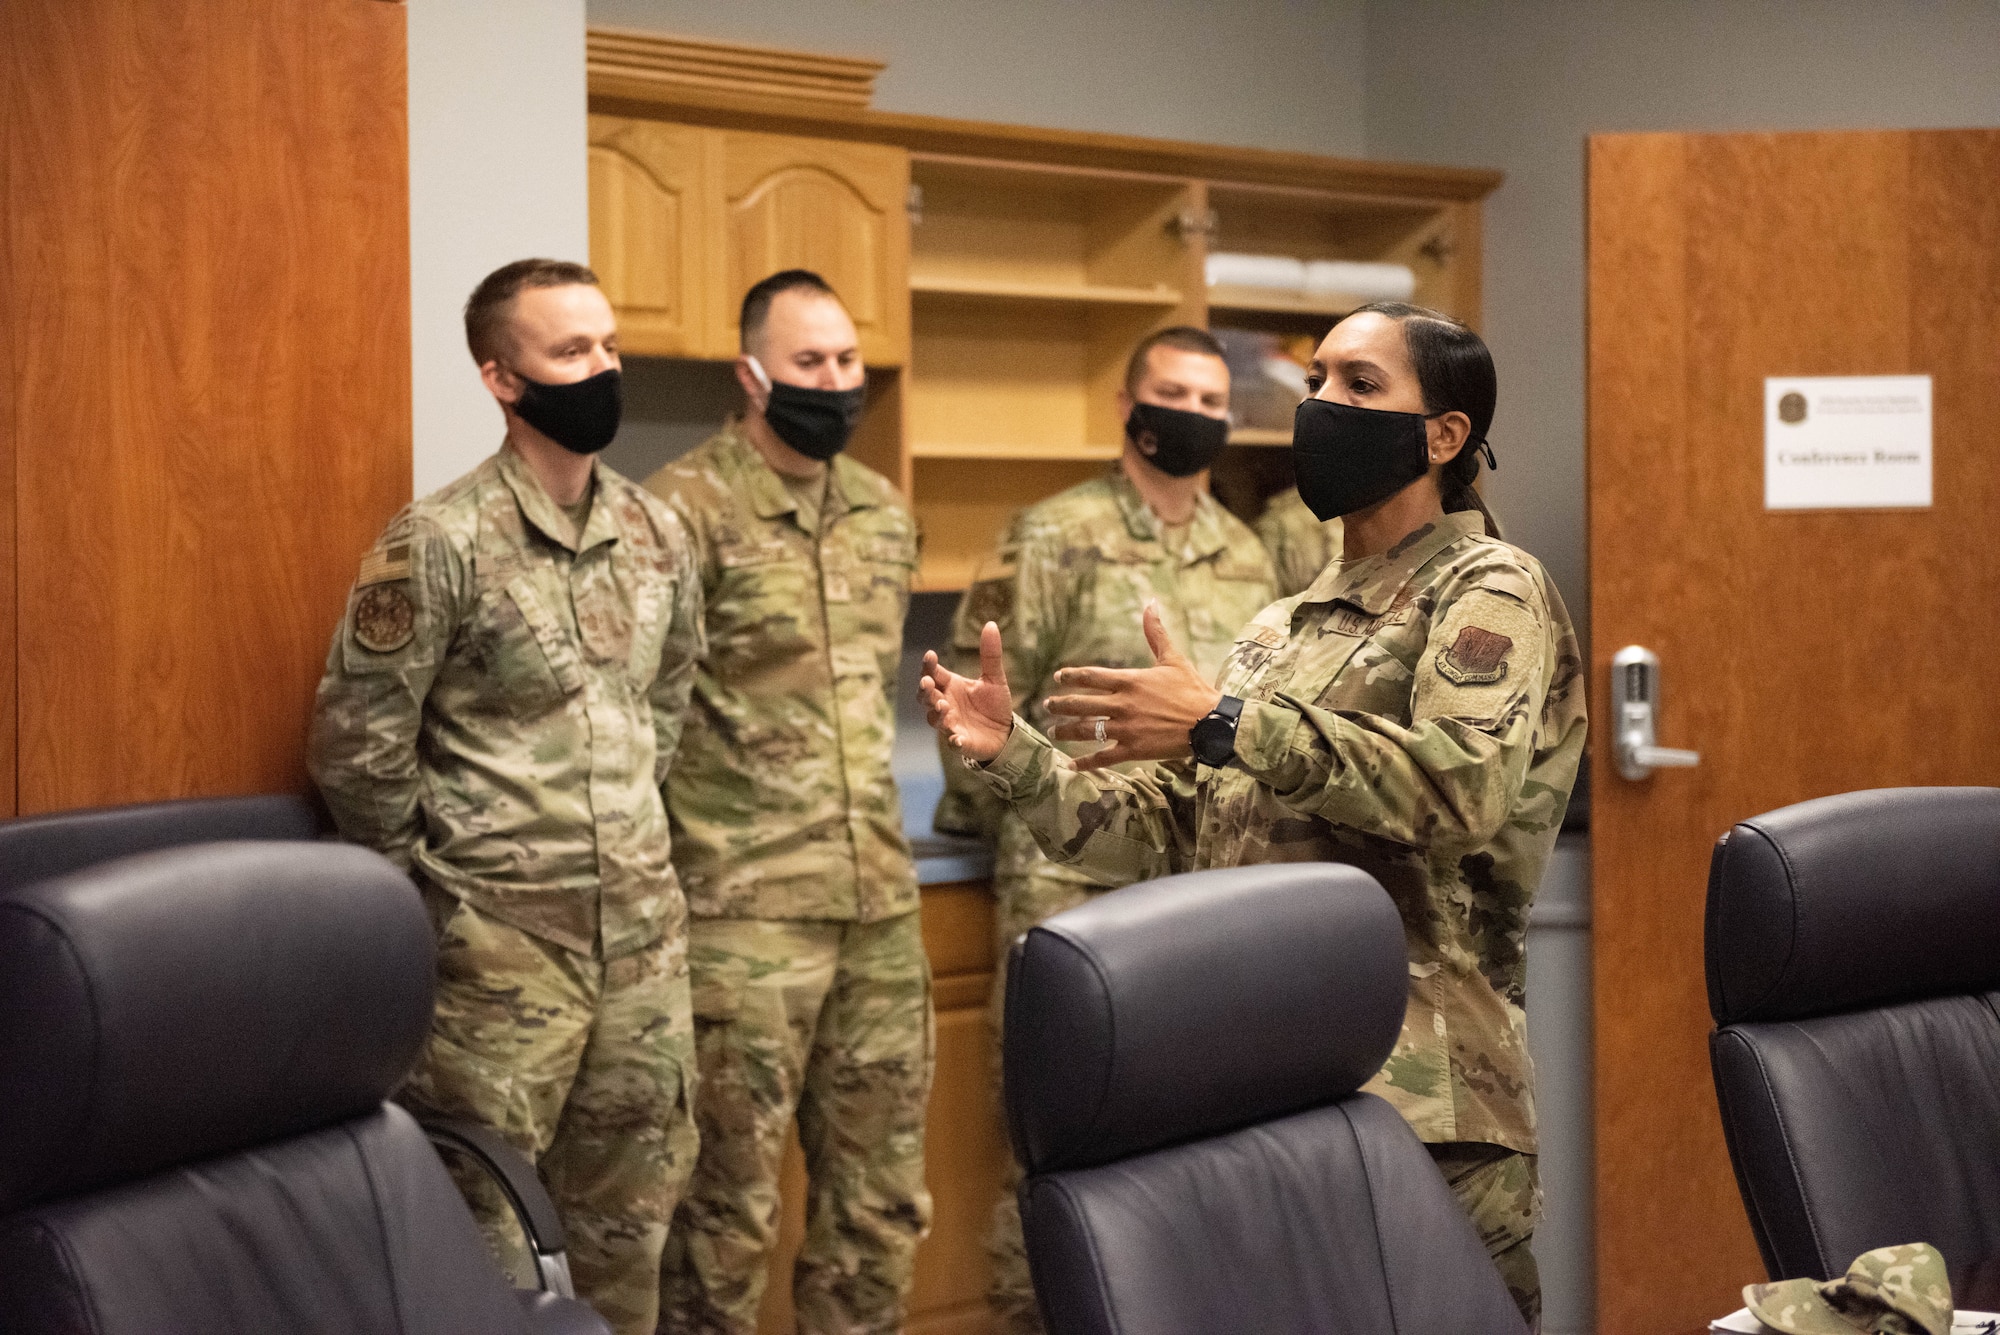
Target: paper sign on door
x=1860 y=442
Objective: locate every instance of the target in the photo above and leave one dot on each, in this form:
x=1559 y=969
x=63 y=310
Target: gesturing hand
x=976 y=717
x=1146 y=712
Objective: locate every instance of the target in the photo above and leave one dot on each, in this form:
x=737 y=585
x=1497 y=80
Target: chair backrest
x=1853 y=959
x=195 y=1046
x=1182 y=1059
x=34 y=848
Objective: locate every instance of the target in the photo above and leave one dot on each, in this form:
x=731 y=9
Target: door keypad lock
x=1635 y=704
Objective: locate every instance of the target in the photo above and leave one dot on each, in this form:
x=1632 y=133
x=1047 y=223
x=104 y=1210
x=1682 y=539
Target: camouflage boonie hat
x=1890 y=1291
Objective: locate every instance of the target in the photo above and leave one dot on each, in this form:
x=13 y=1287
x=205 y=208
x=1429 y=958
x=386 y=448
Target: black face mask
x=1350 y=458
x=581 y=416
x=815 y=422
x=1179 y=444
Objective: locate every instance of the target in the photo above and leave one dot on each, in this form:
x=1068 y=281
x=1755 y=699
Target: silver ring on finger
x=1100 y=730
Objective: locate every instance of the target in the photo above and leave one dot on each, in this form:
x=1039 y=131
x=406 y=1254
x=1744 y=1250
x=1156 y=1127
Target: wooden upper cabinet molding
x=838 y=209
x=652 y=64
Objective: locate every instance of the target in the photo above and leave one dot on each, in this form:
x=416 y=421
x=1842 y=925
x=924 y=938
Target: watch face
x=1214 y=741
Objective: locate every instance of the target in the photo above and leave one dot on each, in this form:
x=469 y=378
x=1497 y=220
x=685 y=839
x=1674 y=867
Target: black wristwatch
x=1214 y=738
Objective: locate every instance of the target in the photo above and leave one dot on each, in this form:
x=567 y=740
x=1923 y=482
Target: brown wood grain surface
x=208 y=364
x=1803 y=653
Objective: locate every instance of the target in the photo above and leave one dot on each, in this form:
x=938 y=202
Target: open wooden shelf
x=994 y=289
x=1055 y=452
x=1260 y=435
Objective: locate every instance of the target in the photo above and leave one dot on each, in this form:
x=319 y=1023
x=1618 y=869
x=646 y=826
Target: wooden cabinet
x=652 y=219
x=838 y=209
x=999 y=276
x=683 y=219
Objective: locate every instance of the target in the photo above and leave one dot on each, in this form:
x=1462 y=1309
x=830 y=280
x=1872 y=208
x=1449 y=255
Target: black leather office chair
x=194 y=1050
x=1853 y=956
x=36 y=848
x=1181 y=1064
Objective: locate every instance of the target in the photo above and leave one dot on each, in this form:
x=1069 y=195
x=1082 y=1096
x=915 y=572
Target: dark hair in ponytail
x=1454 y=374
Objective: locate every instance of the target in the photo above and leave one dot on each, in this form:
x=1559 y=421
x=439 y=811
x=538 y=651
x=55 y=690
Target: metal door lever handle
x=1635 y=702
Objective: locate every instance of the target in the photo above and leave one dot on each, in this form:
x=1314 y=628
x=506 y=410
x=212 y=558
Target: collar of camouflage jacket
x=541 y=510
x=769 y=496
x=1205 y=532
x=1373 y=582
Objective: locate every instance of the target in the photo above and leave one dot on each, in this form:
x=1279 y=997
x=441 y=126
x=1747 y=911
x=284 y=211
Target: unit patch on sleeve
x=384 y=618
x=1478 y=657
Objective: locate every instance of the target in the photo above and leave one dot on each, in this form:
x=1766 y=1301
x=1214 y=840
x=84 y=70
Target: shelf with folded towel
x=994 y=289
x=1056 y=451
x=1225 y=299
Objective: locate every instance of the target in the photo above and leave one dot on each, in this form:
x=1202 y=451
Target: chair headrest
x=35 y=848
x=1863 y=899
x=174 y=1006
x=1197 y=1004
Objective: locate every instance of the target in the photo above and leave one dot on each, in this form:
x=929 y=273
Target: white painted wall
x=497 y=173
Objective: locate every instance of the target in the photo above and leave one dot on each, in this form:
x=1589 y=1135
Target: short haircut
x=490 y=305
x=1185 y=337
x=757 y=301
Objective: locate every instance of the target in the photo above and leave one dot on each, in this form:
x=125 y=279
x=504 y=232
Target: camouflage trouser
x=831 y=1021
x=1019 y=902
x=586 y=1065
x=1502 y=1192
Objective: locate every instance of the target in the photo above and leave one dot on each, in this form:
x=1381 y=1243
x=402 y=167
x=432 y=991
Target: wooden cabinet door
x=839 y=209
x=654 y=236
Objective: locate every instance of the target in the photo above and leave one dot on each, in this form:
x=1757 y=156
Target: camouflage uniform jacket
x=1300 y=545
x=503 y=699
x=1067 y=585
x=782 y=802
x=1418 y=714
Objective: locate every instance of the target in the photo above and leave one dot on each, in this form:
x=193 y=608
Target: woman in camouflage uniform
x=1416 y=712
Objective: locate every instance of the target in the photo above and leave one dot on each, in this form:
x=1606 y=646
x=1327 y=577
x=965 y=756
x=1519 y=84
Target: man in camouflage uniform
x=1066 y=587
x=500 y=706
x=811 y=989
x=1300 y=545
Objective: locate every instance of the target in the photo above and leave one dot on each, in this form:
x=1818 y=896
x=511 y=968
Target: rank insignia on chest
x=384 y=618
x=1477 y=657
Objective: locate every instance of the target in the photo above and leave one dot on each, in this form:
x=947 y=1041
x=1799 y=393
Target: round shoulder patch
x=384 y=618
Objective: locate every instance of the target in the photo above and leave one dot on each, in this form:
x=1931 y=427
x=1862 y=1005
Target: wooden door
x=1803 y=652
x=839 y=209
x=206 y=350
x=652 y=214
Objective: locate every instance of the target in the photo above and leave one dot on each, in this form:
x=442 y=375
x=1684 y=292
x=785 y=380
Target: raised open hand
x=976 y=717
x=1145 y=712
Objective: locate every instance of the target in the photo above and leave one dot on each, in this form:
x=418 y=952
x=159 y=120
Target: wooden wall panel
x=208 y=354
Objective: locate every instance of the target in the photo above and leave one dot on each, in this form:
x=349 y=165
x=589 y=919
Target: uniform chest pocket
x=652 y=617
x=524 y=645
x=763 y=607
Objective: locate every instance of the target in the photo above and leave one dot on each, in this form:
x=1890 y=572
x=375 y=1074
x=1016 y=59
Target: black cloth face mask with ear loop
x=1348 y=458
x=1183 y=443
x=815 y=422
